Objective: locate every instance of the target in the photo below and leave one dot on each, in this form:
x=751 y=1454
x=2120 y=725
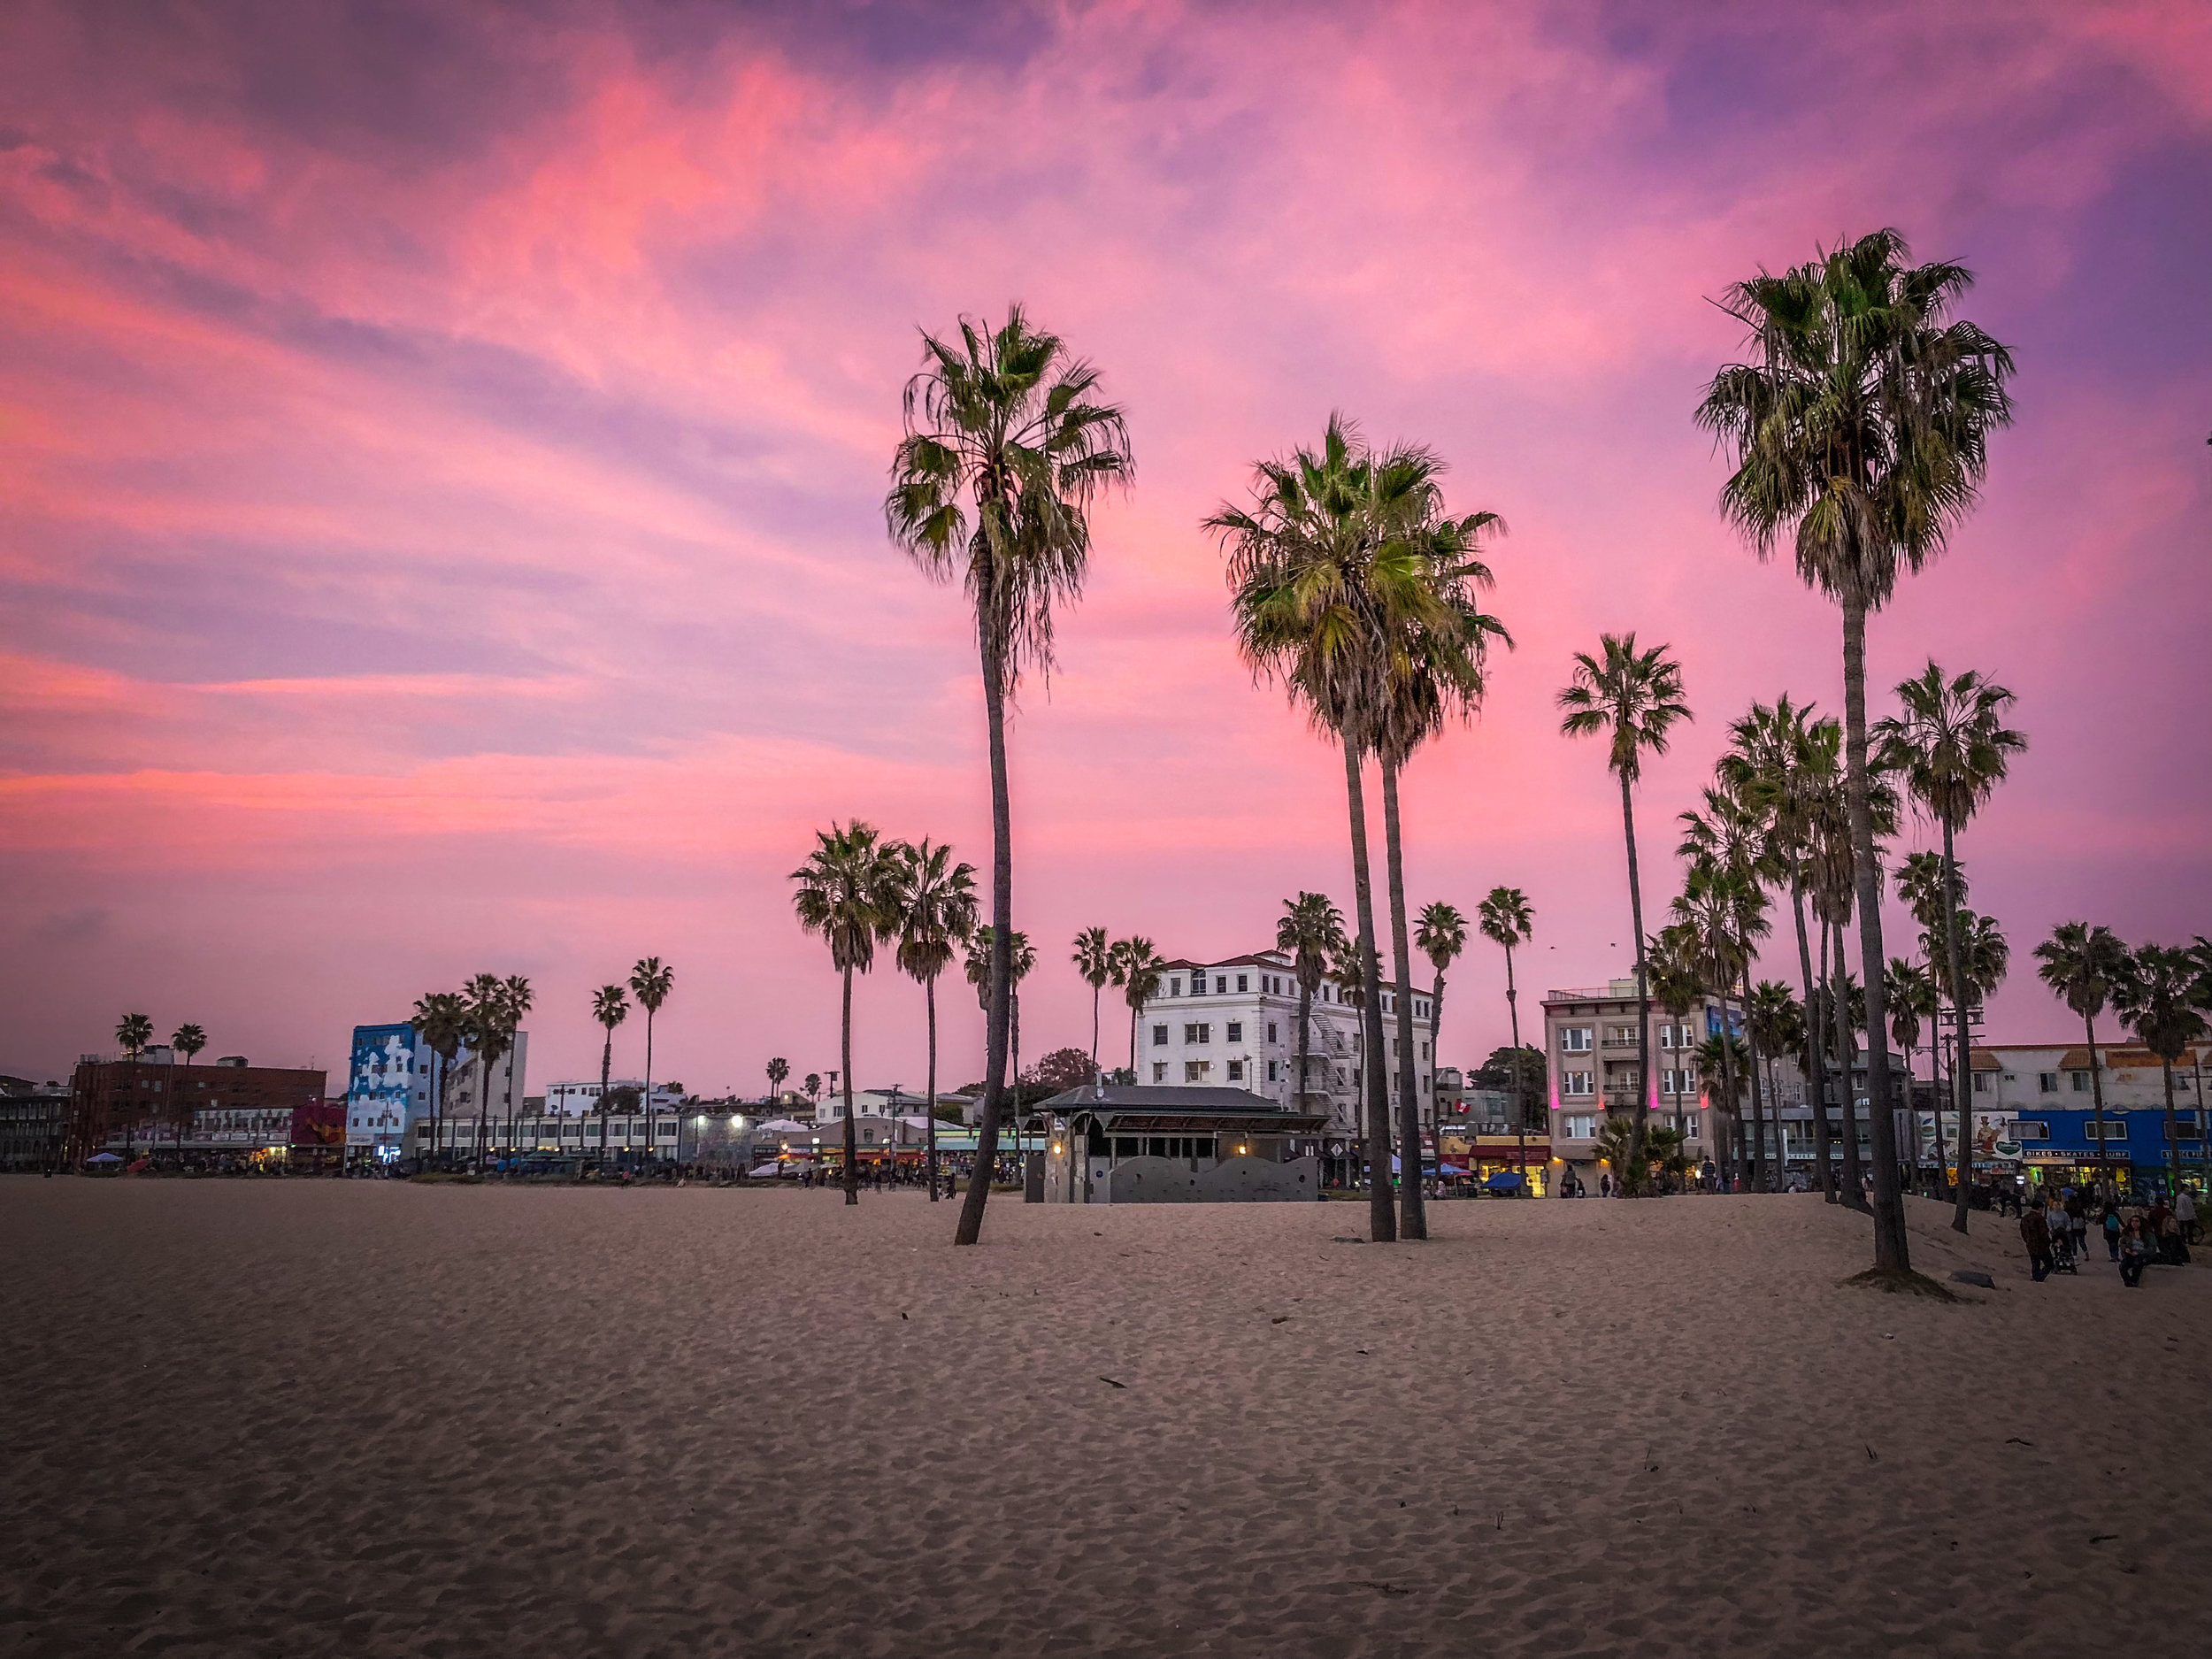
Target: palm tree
x=187 y=1040
x=2158 y=997
x=1021 y=958
x=1861 y=429
x=1095 y=961
x=1439 y=934
x=934 y=909
x=1953 y=750
x=609 y=1006
x=1733 y=834
x=517 y=997
x=1985 y=957
x=1721 y=1065
x=1317 y=565
x=778 y=1069
x=1311 y=932
x=1506 y=920
x=491 y=1027
x=812 y=1084
x=650 y=982
x=1774 y=1022
x=845 y=894
x=1706 y=912
x=1913 y=999
x=134 y=1032
x=441 y=1019
x=2083 y=964
x=1677 y=989
x=1137 y=967
x=1636 y=697
x=1005 y=448
x=1922 y=883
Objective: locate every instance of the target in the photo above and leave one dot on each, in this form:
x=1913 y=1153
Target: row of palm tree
x=858 y=890
x=133 y=1036
x=483 y=1018
x=651 y=980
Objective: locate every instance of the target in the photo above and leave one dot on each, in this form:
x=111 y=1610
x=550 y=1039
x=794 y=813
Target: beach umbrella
x=104 y=1157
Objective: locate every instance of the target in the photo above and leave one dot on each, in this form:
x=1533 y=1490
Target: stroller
x=2064 y=1258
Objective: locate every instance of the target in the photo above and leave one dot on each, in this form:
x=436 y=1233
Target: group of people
x=2056 y=1232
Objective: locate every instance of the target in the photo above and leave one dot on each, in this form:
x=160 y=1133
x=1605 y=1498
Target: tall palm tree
x=489 y=1034
x=1951 y=747
x=812 y=1084
x=1506 y=920
x=650 y=982
x=934 y=908
x=1137 y=968
x=1774 y=1022
x=2160 y=997
x=1985 y=957
x=1316 y=565
x=1311 y=932
x=1921 y=882
x=2083 y=964
x=1705 y=916
x=1635 y=698
x=1439 y=934
x=1094 y=959
x=1678 y=990
x=1912 y=999
x=1733 y=834
x=441 y=1019
x=187 y=1040
x=844 y=893
x=1721 y=1064
x=1021 y=958
x=609 y=1006
x=1860 y=429
x=133 y=1033
x=518 y=996
x=1006 y=446
x=778 y=1069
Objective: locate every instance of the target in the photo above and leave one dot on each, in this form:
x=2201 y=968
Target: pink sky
x=440 y=466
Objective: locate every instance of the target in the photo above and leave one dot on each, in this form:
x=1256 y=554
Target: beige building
x=1590 y=1051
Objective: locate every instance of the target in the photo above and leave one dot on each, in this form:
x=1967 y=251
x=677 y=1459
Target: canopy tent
x=1504 y=1181
x=759 y=1170
x=104 y=1157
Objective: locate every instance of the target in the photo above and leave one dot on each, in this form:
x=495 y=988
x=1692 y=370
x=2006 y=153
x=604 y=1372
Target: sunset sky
x=441 y=458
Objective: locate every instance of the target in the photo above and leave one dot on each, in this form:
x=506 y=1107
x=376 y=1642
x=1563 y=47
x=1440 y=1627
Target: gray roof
x=1159 y=1097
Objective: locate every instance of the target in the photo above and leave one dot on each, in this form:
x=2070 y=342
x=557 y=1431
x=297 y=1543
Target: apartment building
x=1590 y=1040
x=124 y=1105
x=1233 y=1024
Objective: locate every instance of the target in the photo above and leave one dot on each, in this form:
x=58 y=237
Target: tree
x=1095 y=961
x=1005 y=449
x=1627 y=1152
x=1861 y=429
x=441 y=1019
x=1953 y=750
x=134 y=1032
x=650 y=982
x=609 y=1006
x=1733 y=836
x=1985 y=957
x=1774 y=1021
x=1317 y=567
x=2158 y=997
x=1311 y=932
x=2083 y=965
x=1137 y=968
x=1678 y=987
x=1062 y=1070
x=845 y=891
x=933 y=905
x=1506 y=921
x=519 y=996
x=1439 y=934
x=1922 y=884
x=1634 y=697
x=778 y=1069
x=1704 y=930
x=1912 y=999
x=812 y=1084
x=187 y=1040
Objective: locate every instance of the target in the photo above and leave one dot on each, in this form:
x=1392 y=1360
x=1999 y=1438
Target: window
x=1175 y=986
x=1425 y=1051
x=1620 y=1034
x=1159 y=1036
x=1240 y=982
x=2186 y=1129
x=2026 y=1129
x=1159 y=1071
x=1270 y=1030
x=1196 y=1071
x=1582 y=1126
x=1270 y=1070
x=1575 y=1039
x=1574 y=1083
x=1981 y=1081
x=2081 y=1081
x=1198 y=1034
x=1221 y=984
x=2046 y=1082
x=1236 y=1070
x=1236 y=1031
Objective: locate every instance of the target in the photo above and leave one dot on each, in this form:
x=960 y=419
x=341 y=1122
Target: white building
x=1234 y=1025
x=387 y=1087
x=887 y=1102
x=582 y=1100
x=507 y=1085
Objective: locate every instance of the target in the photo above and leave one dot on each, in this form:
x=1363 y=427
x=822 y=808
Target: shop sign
x=2052 y=1157
x=2007 y=1149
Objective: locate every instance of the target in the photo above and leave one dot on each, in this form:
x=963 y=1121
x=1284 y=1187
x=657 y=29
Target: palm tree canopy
x=845 y=893
x=1505 y=918
x=650 y=982
x=188 y=1040
x=1860 y=428
x=1949 y=744
x=1985 y=957
x=1137 y=967
x=1920 y=885
x=1310 y=931
x=2160 y=997
x=1913 y=1001
x=934 y=907
x=1094 y=957
x=1022 y=956
x=1709 y=1063
x=610 y=1005
x=1006 y=446
x=2082 y=964
x=134 y=1031
x=1777 y=1019
x=1635 y=696
x=1439 y=934
x=1676 y=967
x=442 y=1019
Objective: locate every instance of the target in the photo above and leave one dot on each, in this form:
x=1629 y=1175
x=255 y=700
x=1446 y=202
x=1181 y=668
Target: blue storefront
x=2061 y=1148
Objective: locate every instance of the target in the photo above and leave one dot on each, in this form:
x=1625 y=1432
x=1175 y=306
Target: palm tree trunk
x=852 y=1127
x=2096 y=1105
x=1520 y=1098
x=2173 y=1127
x=1643 y=981
x=1937 y=1072
x=1094 y=991
x=1839 y=1016
x=1893 y=1247
x=996 y=1019
x=1413 y=1221
x=1760 y=1172
x=1815 y=1073
x=1963 y=1074
x=651 y=1145
x=483 y=1108
x=606 y=1066
x=1305 y=1040
x=1132 y=1042
x=1728 y=1088
x=929 y=999
x=1382 y=1220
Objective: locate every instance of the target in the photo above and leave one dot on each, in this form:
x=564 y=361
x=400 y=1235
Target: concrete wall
x=1231 y=1181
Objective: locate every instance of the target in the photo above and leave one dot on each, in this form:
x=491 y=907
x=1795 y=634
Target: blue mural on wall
x=387 y=1086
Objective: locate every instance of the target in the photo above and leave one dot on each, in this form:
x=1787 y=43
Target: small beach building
x=1131 y=1144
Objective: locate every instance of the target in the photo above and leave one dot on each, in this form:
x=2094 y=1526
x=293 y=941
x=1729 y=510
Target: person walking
x=2135 y=1252
x=2186 y=1213
x=2111 y=1223
x=2035 y=1234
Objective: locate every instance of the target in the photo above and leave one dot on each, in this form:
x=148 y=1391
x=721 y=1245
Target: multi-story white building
x=581 y=1099
x=1233 y=1024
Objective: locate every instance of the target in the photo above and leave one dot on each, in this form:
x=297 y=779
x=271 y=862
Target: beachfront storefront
x=1127 y=1144
x=1488 y=1155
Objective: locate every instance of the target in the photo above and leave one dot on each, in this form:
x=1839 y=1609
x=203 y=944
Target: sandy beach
x=303 y=1418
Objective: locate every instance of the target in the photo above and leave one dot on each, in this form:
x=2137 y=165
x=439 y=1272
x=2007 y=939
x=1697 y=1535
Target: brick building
x=126 y=1105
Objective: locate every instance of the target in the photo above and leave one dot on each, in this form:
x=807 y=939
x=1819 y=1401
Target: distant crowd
x=2057 y=1232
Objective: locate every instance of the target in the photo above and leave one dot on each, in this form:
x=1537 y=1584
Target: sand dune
x=304 y=1418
